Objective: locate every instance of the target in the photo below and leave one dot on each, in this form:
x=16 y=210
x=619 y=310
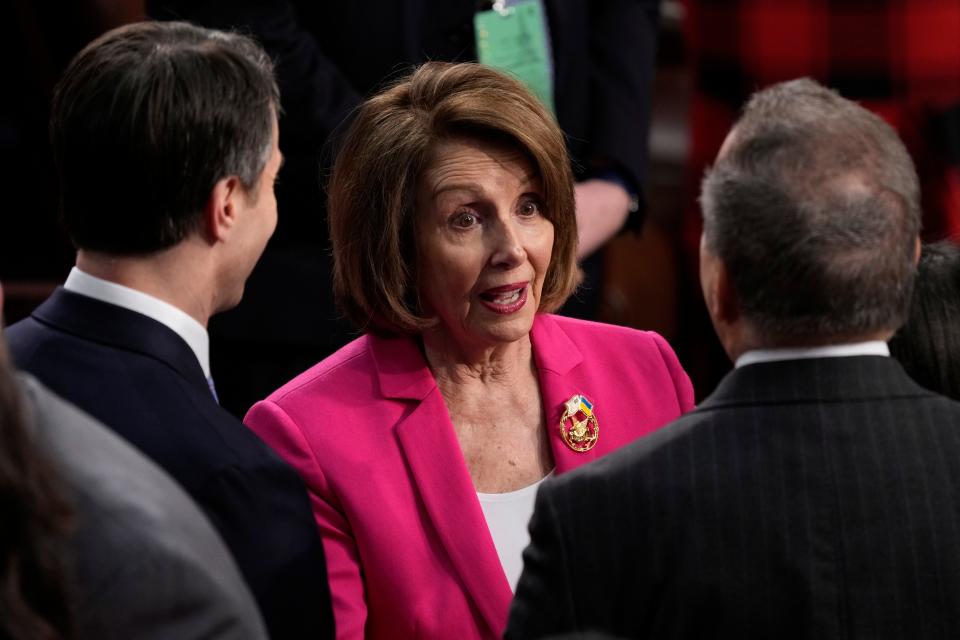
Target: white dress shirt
x=185 y=326
x=507 y=516
x=869 y=348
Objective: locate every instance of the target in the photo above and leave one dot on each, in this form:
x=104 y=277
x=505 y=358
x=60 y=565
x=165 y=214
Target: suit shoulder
x=130 y=494
x=94 y=457
x=341 y=375
x=942 y=409
x=23 y=338
x=642 y=357
x=128 y=505
x=603 y=335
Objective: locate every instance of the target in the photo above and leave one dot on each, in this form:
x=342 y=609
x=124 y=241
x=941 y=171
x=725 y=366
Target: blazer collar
x=430 y=446
x=436 y=462
x=814 y=380
x=553 y=350
x=402 y=369
x=439 y=470
x=108 y=324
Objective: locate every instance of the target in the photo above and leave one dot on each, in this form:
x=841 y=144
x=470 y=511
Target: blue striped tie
x=213 y=390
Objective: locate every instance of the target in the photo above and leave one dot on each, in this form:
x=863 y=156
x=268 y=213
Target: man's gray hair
x=814 y=208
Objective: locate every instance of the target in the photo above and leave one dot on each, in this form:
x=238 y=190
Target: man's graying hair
x=814 y=208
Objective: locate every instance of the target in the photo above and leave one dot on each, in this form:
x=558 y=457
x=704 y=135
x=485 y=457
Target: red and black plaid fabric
x=900 y=58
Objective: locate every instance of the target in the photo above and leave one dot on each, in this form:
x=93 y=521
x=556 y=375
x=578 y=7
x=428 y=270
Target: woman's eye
x=464 y=219
x=530 y=208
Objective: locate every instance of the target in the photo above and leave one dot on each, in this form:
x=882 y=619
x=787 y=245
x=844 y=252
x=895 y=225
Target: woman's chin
x=496 y=328
x=483 y=328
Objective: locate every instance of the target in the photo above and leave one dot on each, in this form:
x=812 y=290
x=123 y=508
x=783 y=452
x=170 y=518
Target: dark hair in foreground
x=34 y=522
x=145 y=120
x=814 y=209
x=388 y=146
x=928 y=345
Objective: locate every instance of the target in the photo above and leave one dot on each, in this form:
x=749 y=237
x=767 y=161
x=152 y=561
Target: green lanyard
x=514 y=39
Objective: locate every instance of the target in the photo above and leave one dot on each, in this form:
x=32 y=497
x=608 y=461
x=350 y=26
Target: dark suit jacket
x=805 y=499
x=142 y=380
x=145 y=563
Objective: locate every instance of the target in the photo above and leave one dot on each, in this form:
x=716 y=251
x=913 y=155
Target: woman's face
x=484 y=242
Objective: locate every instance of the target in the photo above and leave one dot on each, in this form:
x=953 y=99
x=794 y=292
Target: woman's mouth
x=506 y=299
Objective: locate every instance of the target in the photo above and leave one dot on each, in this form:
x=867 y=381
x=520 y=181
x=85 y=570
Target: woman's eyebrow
x=471 y=188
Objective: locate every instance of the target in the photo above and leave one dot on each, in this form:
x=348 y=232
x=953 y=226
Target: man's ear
x=718 y=291
x=729 y=305
x=220 y=213
x=916 y=251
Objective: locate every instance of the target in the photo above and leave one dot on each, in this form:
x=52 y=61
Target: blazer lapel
x=557 y=359
x=440 y=473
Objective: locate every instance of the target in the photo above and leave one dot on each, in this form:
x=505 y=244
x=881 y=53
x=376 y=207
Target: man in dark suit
x=814 y=494
x=165 y=140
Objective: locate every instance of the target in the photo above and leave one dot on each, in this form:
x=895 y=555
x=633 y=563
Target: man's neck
x=846 y=350
x=754 y=345
x=176 y=276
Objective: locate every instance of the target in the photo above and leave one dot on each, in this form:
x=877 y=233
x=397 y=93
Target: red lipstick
x=506 y=299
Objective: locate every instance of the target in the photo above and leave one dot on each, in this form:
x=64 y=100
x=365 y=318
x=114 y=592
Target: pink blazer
x=408 y=551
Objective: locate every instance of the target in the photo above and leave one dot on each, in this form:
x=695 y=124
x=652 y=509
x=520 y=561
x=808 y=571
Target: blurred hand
x=602 y=208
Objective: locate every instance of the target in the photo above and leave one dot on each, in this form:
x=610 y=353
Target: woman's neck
x=497 y=365
x=497 y=414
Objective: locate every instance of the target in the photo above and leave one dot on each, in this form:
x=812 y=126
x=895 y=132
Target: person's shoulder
x=95 y=459
x=25 y=337
x=601 y=333
x=936 y=408
x=645 y=353
x=342 y=375
x=623 y=462
x=639 y=473
x=126 y=496
x=23 y=327
x=139 y=538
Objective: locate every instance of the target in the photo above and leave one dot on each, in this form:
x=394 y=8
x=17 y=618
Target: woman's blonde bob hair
x=388 y=145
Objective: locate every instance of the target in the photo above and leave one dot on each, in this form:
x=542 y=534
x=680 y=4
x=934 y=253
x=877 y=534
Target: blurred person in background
x=423 y=442
x=98 y=542
x=35 y=597
x=928 y=345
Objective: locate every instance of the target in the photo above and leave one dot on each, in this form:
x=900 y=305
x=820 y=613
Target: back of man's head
x=145 y=121
x=813 y=208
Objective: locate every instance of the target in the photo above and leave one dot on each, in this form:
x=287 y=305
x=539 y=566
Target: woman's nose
x=508 y=249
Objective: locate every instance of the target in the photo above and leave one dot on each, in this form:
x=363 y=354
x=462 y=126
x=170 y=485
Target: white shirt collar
x=869 y=348
x=185 y=326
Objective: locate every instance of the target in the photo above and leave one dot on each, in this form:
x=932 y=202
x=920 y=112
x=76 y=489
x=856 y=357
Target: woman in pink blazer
x=422 y=442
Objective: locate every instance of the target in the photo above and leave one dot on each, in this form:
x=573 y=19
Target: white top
x=507 y=516
x=869 y=348
x=184 y=325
